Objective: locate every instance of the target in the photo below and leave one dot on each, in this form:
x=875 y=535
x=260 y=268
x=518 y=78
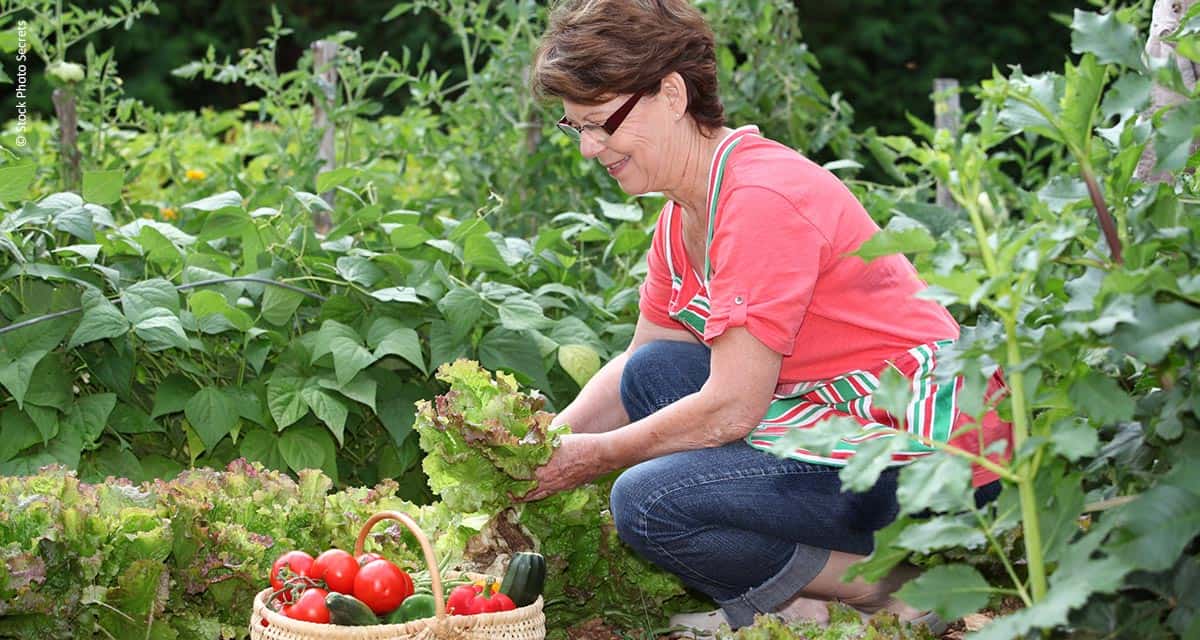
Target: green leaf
x=820 y=439
x=1100 y=398
x=520 y=313
x=349 y=357
x=17 y=432
x=1173 y=140
x=362 y=388
x=328 y=409
x=1061 y=191
x=161 y=330
x=284 y=400
x=952 y=591
x=940 y=533
x=461 y=307
x=1074 y=439
x=306 y=447
x=312 y=202
x=89 y=415
x=132 y=420
x=408 y=236
x=103 y=187
x=279 y=304
x=894 y=393
x=515 y=351
x=359 y=270
x=330 y=179
x=15 y=181
x=1081 y=97
x=403 y=342
x=1111 y=40
x=397 y=294
x=886 y=242
x=50 y=383
x=444 y=346
x=45 y=419
x=216 y=202
x=139 y=298
x=886 y=554
x=1157 y=527
x=212 y=414
x=225 y=223
x=396 y=410
x=77 y=222
x=209 y=306
x=620 y=211
x=16 y=374
x=939 y=482
x=330 y=330
x=260 y=445
x=171 y=395
x=480 y=252
x=1126 y=97
x=869 y=460
x=581 y=362
x=1158 y=328
x=101 y=319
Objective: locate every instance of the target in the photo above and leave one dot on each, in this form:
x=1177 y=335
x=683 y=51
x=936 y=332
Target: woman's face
x=633 y=153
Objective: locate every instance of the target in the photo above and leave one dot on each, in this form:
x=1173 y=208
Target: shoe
x=698 y=625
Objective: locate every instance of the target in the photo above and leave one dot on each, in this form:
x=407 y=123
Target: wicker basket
x=522 y=623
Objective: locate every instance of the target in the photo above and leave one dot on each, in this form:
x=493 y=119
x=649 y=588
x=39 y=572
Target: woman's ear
x=674 y=90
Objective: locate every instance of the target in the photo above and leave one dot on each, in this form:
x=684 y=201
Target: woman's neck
x=696 y=154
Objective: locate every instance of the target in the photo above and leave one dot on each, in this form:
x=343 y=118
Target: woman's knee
x=661 y=372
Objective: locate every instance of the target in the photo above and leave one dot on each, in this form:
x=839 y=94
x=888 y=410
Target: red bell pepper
x=469 y=599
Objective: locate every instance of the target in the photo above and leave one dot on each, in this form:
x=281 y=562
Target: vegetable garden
x=231 y=334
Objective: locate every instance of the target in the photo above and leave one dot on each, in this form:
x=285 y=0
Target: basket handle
x=439 y=600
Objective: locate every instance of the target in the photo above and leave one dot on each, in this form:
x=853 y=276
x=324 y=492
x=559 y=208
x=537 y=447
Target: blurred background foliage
x=866 y=48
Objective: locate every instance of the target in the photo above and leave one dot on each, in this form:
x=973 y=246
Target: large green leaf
x=1158 y=526
x=216 y=202
x=1081 y=98
x=50 y=384
x=461 y=307
x=46 y=420
x=139 y=298
x=1174 y=139
x=907 y=239
x=359 y=270
x=1100 y=397
x=213 y=414
x=284 y=400
x=1158 y=328
x=15 y=181
x=89 y=415
x=581 y=362
x=101 y=319
x=1104 y=35
x=362 y=388
x=161 y=330
x=940 y=482
x=214 y=314
x=952 y=591
x=521 y=312
x=331 y=330
x=17 y=432
x=480 y=252
x=403 y=342
x=516 y=351
x=307 y=447
x=279 y=304
x=171 y=395
x=940 y=533
x=328 y=409
x=349 y=357
x=260 y=445
x=103 y=187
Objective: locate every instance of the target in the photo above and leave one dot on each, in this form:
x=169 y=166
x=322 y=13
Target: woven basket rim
x=411 y=627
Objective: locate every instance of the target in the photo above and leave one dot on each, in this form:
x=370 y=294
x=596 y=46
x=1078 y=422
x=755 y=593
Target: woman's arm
x=598 y=407
x=740 y=387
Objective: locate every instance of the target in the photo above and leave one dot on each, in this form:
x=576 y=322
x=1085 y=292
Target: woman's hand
x=576 y=461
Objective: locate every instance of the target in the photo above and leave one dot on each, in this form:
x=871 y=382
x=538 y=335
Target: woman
x=754 y=321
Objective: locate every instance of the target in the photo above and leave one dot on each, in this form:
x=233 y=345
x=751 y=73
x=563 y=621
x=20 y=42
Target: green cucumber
x=525 y=578
x=349 y=611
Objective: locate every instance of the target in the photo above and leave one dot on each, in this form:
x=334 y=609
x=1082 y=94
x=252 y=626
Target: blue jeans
x=746 y=528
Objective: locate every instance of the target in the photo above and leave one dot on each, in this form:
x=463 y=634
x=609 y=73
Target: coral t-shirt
x=780 y=229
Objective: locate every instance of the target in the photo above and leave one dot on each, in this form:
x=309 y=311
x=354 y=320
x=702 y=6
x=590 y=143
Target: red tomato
x=310 y=606
x=382 y=586
x=367 y=557
x=337 y=568
x=297 y=562
x=462 y=600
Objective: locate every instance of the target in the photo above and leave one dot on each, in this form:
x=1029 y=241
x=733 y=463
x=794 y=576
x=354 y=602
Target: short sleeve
x=655 y=291
x=765 y=259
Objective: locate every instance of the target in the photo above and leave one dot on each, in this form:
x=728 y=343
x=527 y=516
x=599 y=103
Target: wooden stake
x=947 y=115
x=68 y=134
x=324 y=53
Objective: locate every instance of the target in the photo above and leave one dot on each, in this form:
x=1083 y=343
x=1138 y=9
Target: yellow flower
x=168 y=213
x=194 y=175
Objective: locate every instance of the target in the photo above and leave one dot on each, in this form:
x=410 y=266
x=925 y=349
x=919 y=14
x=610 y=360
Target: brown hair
x=595 y=49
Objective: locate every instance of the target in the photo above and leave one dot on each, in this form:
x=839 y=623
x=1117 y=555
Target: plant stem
x=981 y=235
x=1027 y=472
x=1008 y=567
x=1106 y=220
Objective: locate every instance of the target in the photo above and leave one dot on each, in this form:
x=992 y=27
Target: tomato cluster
x=301 y=583
x=479 y=597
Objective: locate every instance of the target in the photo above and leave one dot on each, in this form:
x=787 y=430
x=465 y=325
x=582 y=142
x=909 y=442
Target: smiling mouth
x=616 y=166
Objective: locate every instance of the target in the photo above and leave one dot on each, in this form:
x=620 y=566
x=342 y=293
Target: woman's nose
x=589 y=147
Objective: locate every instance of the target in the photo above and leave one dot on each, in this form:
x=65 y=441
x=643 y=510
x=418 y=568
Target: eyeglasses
x=600 y=132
